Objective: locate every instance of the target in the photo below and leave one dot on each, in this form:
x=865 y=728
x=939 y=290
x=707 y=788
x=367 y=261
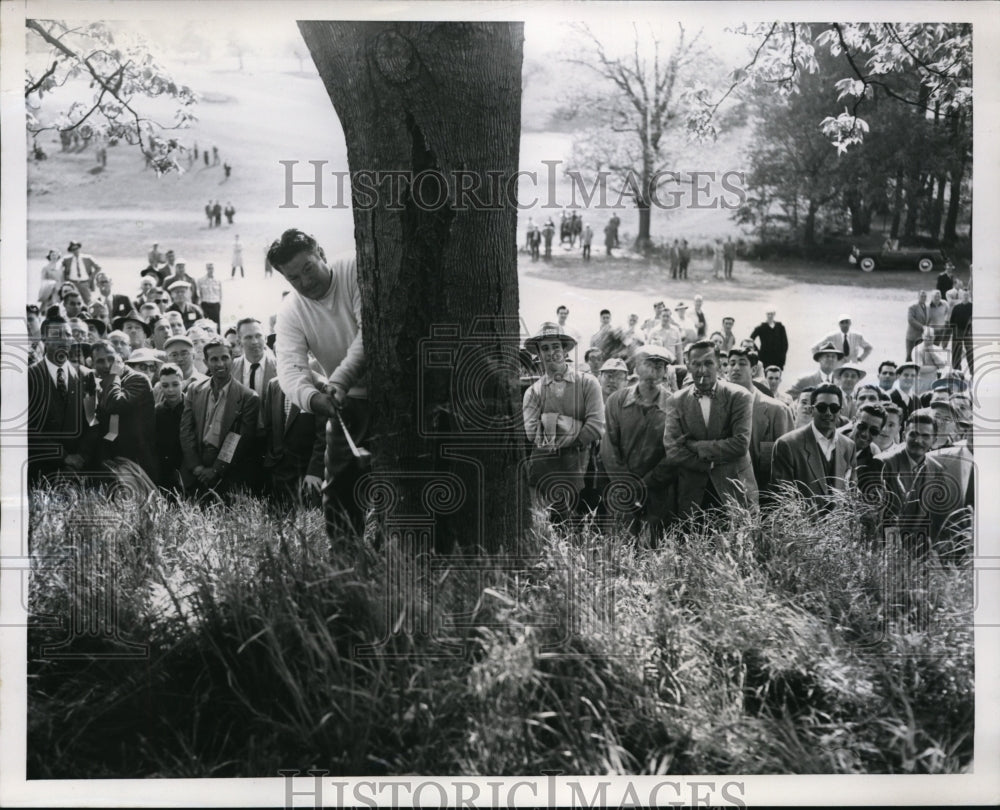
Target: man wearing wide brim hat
x=135 y=326
x=145 y=361
x=549 y=330
x=563 y=417
x=80 y=269
x=828 y=355
x=847 y=377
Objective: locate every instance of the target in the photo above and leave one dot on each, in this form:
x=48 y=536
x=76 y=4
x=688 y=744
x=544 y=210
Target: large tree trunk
x=438 y=274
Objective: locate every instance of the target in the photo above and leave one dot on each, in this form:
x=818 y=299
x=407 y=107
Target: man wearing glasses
x=815 y=458
x=867 y=426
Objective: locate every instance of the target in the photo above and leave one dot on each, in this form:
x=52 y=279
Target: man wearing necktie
x=853 y=346
x=219 y=418
x=255 y=369
x=61 y=435
x=707 y=435
x=80 y=269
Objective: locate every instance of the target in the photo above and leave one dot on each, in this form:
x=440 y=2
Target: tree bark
x=437 y=271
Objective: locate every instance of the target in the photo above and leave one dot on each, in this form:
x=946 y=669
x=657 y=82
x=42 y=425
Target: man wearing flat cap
x=613 y=374
x=180 y=274
x=853 y=346
x=563 y=416
x=80 y=269
x=632 y=448
x=180 y=293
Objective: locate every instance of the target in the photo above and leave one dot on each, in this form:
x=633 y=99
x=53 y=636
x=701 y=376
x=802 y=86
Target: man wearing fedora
x=847 y=376
x=853 y=346
x=563 y=416
x=828 y=356
x=80 y=269
x=135 y=326
x=706 y=435
x=632 y=448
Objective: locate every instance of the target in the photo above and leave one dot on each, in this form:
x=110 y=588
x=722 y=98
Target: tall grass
x=742 y=644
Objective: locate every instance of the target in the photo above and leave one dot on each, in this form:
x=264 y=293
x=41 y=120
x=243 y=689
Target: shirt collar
x=222 y=391
x=821 y=439
x=632 y=397
x=53 y=368
x=568 y=376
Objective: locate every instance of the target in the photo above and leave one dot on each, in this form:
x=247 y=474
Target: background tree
x=90 y=81
x=632 y=109
x=905 y=98
x=438 y=278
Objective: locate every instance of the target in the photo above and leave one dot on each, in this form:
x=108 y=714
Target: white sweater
x=331 y=329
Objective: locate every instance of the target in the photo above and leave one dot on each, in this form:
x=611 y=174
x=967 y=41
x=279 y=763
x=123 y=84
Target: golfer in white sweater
x=323 y=316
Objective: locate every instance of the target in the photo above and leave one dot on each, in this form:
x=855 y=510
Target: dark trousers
x=727 y=264
x=343 y=510
x=683 y=269
x=909 y=348
x=586 y=252
x=960 y=346
x=212 y=311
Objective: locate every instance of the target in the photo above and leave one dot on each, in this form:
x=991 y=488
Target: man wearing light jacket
x=323 y=316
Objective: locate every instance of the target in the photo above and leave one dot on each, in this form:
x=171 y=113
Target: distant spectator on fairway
x=237 y=257
x=210 y=292
x=229 y=211
x=80 y=269
x=772 y=341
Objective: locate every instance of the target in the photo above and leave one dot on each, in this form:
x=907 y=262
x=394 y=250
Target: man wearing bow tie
x=707 y=434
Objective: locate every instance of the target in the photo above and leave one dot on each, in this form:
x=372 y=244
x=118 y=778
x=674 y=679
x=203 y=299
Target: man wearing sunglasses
x=868 y=424
x=815 y=458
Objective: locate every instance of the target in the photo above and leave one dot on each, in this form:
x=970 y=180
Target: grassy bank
x=740 y=648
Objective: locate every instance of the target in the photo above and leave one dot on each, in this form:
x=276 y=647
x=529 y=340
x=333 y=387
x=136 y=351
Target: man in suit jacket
x=125 y=410
x=918 y=316
x=904 y=390
x=868 y=423
x=815 y=458
x=707 y=434
x=118 y=306
x=80 y=269
x=853 y=346
x=61 y=435
x=771 y=419
x=294 y=443
x=219 y=417
x=255 y=369
x=828 y=356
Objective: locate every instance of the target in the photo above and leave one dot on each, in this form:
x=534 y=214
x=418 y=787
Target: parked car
x=919 y=258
